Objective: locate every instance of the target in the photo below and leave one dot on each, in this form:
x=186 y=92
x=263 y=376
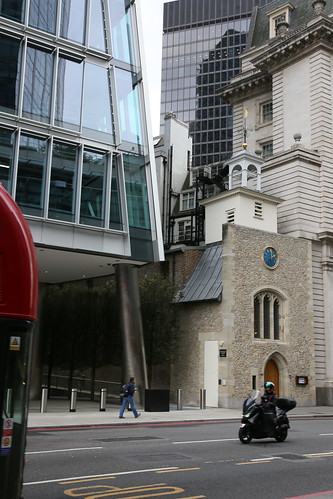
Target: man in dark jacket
x=268 y=402
x=269 y=398
x=128 y=399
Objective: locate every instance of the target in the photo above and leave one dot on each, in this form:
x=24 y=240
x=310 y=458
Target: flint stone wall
x=243 y=275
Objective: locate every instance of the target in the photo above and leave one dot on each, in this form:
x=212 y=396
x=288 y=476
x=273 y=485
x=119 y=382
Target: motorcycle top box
x=286 y=404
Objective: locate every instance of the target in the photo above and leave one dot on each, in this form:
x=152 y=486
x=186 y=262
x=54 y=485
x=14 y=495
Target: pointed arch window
x=268 y=316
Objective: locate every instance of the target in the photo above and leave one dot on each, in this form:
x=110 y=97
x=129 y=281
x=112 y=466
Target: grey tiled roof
x=301 y=14
x=205 y=282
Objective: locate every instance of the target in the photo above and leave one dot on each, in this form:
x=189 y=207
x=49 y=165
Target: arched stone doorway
x=276 y=370
x=272 y=374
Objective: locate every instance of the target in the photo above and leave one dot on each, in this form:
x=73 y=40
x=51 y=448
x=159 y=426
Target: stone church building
x=258 y=304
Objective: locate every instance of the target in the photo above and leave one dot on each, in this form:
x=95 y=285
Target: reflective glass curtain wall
x=62 y=64
x=202 y=41
x=82 y=92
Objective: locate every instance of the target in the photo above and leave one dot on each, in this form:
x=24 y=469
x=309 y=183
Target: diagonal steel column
x=134 y=357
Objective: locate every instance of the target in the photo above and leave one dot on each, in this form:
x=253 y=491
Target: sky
x=152 y=21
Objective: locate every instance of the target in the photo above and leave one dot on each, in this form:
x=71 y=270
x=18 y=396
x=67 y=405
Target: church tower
x=243 y=203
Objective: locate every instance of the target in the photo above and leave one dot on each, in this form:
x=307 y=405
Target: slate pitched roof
x=205 y=282
x=302 y=13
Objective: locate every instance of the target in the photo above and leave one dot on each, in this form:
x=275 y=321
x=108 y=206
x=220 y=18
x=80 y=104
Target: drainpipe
x=164 y=211
x=169 y=192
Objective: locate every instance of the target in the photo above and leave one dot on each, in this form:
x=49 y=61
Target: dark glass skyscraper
x=202 y=41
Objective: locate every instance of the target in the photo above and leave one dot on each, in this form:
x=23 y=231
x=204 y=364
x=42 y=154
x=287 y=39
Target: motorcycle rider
x=268 y=418
x=269 y=397
x=268 y=402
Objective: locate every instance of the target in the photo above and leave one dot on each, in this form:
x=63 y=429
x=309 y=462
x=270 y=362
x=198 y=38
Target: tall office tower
x=73 y=137
x=202 y=42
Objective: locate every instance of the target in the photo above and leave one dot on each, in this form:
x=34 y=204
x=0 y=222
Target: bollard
x=179 y=399
x=43 y=402
x=202 y=398
x=102 y=403
x=72 y=407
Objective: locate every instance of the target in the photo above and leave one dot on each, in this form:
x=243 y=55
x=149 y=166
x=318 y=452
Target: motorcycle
x=260 y=422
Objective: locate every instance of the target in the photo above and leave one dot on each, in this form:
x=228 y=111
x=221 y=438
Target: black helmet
x=269 y=385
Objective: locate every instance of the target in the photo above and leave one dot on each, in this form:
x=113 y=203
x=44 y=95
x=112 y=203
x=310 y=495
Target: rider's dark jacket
x=268 y=401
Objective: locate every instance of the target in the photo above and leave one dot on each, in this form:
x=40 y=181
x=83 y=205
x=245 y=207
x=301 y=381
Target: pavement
x=87 y=413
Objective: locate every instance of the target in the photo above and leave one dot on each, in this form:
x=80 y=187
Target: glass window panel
x=92 y=190
x=136 y=191
x=13 y=9
x=73 y=20
x=187 y=200
x=276 y=320
x=267 y=112
x=115 y=210
x=31 y=174
x=7 y=138
x=69 y=94
x=267 y=150
x=129 y=112
x=267 y=317
x=121 y=28
x=63 y=182
x=97 y=26
x=43 y=14
x=10 y=57
x=97 y=115
x=38 y=85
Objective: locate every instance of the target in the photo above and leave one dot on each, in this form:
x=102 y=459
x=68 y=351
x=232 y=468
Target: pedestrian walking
x=130 y=389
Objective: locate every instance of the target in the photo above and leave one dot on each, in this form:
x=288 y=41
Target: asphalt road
x=178 y=460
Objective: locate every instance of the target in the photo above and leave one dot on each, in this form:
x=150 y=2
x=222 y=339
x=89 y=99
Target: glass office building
x=202 y=41
x=73 y=135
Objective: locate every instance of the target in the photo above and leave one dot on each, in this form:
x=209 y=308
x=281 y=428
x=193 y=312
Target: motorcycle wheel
x=244 y=435
x=281 y=435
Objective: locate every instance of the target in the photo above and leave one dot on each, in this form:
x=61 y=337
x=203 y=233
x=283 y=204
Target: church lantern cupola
x=245 y=170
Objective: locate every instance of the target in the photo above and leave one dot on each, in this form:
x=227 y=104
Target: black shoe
x=121 y=417
x=138 y=415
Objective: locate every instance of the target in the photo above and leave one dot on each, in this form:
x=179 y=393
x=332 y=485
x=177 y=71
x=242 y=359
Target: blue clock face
x=270 y=257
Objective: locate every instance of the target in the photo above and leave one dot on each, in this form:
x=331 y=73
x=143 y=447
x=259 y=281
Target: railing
x=82 y=385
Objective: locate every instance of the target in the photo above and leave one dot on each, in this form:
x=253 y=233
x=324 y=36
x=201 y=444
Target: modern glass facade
x=73 y=135
x=202 y=41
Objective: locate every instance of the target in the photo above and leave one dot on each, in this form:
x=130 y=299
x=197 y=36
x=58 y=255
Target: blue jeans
x=128 y=400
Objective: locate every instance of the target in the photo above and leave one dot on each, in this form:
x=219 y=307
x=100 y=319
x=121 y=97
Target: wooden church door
x=272 y=374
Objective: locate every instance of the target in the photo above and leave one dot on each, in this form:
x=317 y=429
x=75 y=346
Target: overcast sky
x=152 y=20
